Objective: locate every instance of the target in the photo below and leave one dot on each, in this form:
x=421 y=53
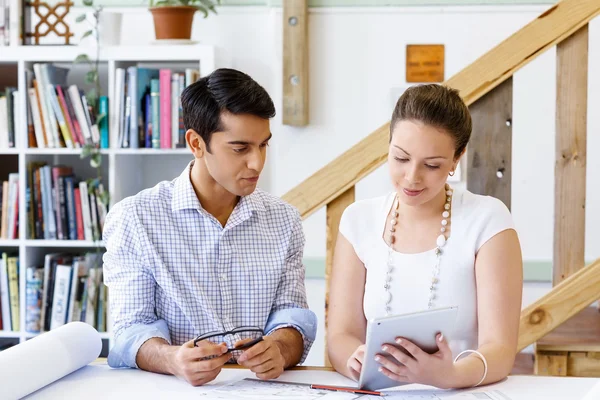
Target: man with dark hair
x=207 y=269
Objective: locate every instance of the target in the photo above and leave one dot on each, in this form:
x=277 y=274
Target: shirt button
x=223 y=277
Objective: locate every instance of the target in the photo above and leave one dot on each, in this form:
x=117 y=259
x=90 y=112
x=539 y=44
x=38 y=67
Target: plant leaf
x=86 y=150
x=91 y=76
x=88 y=3
x=80 y=18
x=90 y=93
x=90 y=183
x=91 y=98
x=105 y=198
x=96 y=162
x=82 y=58
x=202 y=9
x=209 y=4
x=100 y=117
x=88 y=33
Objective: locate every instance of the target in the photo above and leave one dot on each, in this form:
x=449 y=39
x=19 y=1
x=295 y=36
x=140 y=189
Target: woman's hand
x=355 y=362
x=428 y=369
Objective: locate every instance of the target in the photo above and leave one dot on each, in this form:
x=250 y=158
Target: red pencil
x=346 y=389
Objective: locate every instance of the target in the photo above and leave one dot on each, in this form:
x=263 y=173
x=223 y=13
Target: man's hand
x=190 y=363
x=265 y=358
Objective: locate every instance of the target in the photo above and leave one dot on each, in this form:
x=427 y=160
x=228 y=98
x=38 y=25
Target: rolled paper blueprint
x=33 y=364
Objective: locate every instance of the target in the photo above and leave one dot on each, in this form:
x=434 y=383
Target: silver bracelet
x=485 y=366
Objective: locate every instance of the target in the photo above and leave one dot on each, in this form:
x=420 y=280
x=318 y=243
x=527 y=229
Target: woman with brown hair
x=427 y=245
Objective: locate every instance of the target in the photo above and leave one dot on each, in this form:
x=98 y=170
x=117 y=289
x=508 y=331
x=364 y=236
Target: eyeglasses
x=241 y=329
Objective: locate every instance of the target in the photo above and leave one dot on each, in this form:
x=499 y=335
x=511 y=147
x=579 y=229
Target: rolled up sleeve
x=290 y=308
x=131 y=288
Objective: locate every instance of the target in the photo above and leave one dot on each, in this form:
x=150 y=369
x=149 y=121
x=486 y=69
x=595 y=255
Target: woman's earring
x=451 y=173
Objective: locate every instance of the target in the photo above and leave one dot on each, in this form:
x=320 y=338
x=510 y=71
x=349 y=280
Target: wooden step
x=572 y=349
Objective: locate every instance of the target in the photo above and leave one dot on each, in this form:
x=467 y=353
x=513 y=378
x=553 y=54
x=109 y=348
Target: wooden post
x=551 y=363
x=570 y=167
x=335 y=209
x=490 y=149
x=295 y=62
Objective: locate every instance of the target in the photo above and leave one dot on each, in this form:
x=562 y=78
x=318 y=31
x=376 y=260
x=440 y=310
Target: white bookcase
x=125 y=171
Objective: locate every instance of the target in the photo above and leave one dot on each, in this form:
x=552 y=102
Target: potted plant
x=173 y=18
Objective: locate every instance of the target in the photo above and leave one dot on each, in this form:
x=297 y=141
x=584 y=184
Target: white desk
x=98 y=381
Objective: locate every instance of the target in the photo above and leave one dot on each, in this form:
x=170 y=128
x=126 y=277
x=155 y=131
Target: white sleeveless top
x=474 y=220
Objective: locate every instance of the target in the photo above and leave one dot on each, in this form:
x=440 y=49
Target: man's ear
x=195 y=143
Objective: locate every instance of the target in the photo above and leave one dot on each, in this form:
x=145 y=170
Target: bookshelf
x=125 y=171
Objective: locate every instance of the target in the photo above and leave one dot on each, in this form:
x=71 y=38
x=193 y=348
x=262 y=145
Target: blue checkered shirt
x=174 y=272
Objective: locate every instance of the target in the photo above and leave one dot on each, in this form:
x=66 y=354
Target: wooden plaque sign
x=425 y=63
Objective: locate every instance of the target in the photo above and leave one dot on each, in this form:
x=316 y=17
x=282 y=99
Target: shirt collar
x=184 y=197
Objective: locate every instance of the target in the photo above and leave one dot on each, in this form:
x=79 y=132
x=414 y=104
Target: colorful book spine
x=103 y=109
x=182 y=142
x=58 y=115
x=37 y=119
x=127 y=122
x=85 y=209
x=60 y=298
x=33 y=299
x=10 y=106
x=49 y=215
x=175 y=110
x=79 y=214
x=67 y=116
x=5 y=293
x=77 y=133
x=31 y=138
x=132 y=82
x=148 y=120
x=38 y=209
x=13 y=289
x=118 y=104
x=71 y=216
x=30 y=201
x=47 y=142
x=144 y=77
x=156 y=128
x=165 y=108
x=45 y=109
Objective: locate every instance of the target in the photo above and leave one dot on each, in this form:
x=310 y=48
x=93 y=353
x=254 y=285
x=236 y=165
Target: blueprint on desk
x=247 y=389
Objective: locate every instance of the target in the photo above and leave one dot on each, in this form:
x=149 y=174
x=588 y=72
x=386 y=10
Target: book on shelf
x=9 y=99
x=147 y=107
x=67 y=288
x=62 y=206
x=60 y=115
x=34 y=277
x=9 y=292
x=9 y=212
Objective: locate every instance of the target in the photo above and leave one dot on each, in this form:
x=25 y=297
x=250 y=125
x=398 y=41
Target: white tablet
x=420 y=328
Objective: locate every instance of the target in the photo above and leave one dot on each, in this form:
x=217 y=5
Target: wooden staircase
x=486 y=87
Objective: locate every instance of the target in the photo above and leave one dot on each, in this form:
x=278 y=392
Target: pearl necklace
x=440 y=242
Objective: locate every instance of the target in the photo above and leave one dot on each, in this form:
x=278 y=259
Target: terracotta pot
x=173 y=22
